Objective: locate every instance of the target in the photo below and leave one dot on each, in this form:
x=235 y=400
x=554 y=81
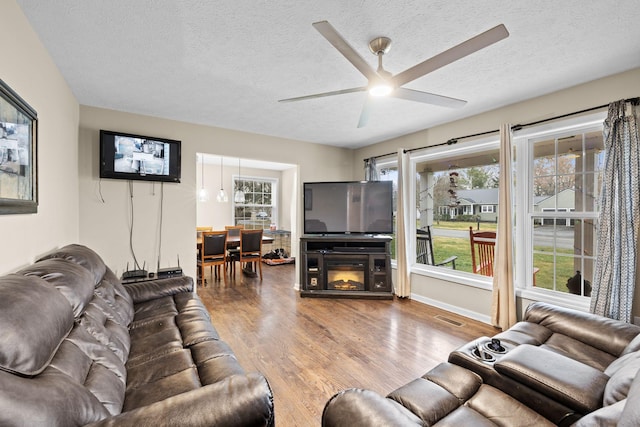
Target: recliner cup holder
x=494 y=346
x=483 y=355
x=487 y=349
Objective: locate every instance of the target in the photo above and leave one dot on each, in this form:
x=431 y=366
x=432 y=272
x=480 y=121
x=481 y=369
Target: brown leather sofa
x=79 y=348
x=556 y=367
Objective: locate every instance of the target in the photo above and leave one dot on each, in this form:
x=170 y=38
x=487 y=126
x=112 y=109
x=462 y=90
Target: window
x=259 y=208
x=457 y=189
x=562 y=210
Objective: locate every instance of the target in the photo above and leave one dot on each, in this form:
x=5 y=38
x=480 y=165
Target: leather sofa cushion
x=73 y=281
x=83 y=256
x=565 y=380
x=579 y=351
x=525 y=333
x=438 y=393
x=144 y=291
x=502 y=409
x=29 y=342
x=608 y=335
x=365 y=408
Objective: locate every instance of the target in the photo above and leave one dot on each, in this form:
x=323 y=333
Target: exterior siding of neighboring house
x=564 y=201
x=483 y=202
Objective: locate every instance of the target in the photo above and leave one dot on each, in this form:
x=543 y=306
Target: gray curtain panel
x=619 y=221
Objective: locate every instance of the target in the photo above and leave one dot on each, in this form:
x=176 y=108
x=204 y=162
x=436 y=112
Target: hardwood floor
x=311 y=348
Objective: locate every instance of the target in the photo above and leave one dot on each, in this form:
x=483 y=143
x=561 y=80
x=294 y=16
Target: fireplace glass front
x=346 y=274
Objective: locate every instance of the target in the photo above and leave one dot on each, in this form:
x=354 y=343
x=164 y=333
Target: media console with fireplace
x=351 y=266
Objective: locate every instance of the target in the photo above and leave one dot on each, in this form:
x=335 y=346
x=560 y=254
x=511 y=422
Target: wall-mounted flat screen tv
x=128 y=156
x=364 y=207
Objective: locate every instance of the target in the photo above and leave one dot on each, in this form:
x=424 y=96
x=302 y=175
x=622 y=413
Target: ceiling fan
x=382 y=83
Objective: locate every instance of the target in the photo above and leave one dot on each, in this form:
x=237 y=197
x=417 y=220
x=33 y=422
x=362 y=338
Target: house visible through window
x=259 y=208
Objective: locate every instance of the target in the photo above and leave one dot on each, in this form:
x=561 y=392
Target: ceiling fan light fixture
x=380 y=89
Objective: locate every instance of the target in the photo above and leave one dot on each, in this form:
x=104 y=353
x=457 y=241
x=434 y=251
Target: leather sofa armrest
x=239 y=400
x=574 y=384
x=364 y=408
x=152 y=289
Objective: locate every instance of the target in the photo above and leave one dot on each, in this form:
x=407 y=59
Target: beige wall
x=28 y=69
x=105 y=225
x=475 y=302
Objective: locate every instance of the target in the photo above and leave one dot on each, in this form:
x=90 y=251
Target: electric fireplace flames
x=345 y=276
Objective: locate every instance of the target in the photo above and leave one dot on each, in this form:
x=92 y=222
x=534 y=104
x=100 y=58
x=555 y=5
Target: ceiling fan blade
x=365 y=113
x=330 y=33
x=428 y=98
x=465 y=48
x=321 y=95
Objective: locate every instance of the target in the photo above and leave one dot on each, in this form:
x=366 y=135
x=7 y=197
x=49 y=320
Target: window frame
x=391 y=162
x=523 y=142
x=438 y=153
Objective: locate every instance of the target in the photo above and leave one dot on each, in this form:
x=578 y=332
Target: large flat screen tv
x=364 y=207
x=128 y=156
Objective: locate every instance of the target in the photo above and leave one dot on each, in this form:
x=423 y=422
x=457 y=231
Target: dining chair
x=199 y=231
x=424 y=253
x=213 y=253
x=233 y=254
x=251 y=248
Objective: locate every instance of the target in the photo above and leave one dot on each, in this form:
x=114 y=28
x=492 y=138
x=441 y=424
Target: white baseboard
x=452 y=308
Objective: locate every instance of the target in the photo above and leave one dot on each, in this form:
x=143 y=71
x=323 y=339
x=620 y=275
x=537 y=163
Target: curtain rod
x=635 y=101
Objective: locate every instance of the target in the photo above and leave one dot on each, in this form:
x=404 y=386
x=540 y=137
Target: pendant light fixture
x=203 y=194
x=222 y=195
x=239 y=196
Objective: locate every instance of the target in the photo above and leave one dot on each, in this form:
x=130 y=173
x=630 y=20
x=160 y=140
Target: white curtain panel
x=619 y=220
x=503 y=307
x=402 y=286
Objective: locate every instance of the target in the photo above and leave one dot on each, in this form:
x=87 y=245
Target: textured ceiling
x=226 y=63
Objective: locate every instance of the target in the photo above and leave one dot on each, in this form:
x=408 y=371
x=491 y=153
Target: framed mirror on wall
x=18 y=154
